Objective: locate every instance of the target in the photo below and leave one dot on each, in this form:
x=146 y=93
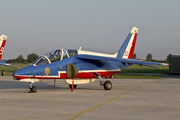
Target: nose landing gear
x=33 y=89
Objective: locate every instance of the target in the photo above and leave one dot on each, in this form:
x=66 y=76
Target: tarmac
x=129 y=99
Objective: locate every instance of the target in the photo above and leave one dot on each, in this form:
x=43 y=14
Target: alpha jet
x=77 y=66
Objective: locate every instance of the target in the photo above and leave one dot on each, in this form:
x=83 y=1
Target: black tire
x=75 y=86
x=33 y=89
x=107 y=85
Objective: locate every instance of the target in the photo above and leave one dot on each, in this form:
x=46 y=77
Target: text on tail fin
x=127 y=49
x=2 y=44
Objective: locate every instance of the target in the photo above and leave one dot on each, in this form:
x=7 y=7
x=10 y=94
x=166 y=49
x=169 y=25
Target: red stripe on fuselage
x=91 y=74
x=80 y=75
x=132 y=47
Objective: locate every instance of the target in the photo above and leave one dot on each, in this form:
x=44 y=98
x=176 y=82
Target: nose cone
x=24 y=71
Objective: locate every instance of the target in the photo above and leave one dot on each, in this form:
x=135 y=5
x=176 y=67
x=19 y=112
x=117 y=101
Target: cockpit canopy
x=54 y=55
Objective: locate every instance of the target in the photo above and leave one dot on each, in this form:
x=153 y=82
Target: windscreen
x=48 y=57
x=42 y=61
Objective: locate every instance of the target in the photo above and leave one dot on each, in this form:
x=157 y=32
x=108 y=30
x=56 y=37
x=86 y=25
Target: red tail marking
x=2 y=48
x=132 y=47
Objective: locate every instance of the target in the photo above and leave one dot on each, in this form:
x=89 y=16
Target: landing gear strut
x=33 y=89
x=107 y=84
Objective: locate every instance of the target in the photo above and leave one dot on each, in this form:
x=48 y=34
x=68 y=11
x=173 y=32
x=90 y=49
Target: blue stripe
x=124 y=46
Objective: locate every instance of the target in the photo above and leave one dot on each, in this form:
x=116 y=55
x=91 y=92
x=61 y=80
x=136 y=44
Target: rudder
x=127 y=49
x=2 y=44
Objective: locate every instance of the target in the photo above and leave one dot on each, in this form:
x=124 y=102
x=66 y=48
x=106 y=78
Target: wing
x=123 y=61
x=5 y=64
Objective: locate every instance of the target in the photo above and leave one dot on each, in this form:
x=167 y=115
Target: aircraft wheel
x=33 y=89
x=107 y=85
x=112 y=76
x=75 y=86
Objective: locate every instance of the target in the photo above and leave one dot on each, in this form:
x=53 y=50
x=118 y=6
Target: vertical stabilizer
x=2 y=44
x=127 y=49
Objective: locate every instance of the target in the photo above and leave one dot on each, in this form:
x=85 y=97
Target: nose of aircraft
x=23 y=71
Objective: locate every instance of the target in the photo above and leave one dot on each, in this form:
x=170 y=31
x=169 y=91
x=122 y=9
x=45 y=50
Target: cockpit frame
x=53 y=56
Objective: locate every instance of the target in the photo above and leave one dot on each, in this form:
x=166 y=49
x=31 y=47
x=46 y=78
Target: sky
x=39 y=26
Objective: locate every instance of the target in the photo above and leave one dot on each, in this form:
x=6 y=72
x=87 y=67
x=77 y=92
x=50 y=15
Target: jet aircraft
x=3 y=39
x=77 y=66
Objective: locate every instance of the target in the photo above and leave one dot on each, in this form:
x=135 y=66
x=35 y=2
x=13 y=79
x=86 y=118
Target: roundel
x=47 y=71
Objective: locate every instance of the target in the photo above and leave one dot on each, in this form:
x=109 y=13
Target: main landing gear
x=33 y=89
x=107 y=84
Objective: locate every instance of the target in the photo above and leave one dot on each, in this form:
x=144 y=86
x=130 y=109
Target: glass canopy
x=55 y=55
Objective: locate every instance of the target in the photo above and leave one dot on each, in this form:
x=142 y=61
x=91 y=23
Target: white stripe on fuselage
x=96 y=54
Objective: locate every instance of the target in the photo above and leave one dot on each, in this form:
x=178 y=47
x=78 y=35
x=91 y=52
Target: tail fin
x=127 y=49
x=2 y=44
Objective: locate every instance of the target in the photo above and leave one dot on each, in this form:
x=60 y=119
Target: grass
x=133 y=76
x=10 y=70
x=128 y=71
x=144 y=69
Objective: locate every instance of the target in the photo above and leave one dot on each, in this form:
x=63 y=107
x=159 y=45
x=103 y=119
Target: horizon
x=101 y=26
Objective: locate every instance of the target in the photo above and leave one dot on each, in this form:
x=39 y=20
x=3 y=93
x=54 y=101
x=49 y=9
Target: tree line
x=30 y=58
x=149 y=57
